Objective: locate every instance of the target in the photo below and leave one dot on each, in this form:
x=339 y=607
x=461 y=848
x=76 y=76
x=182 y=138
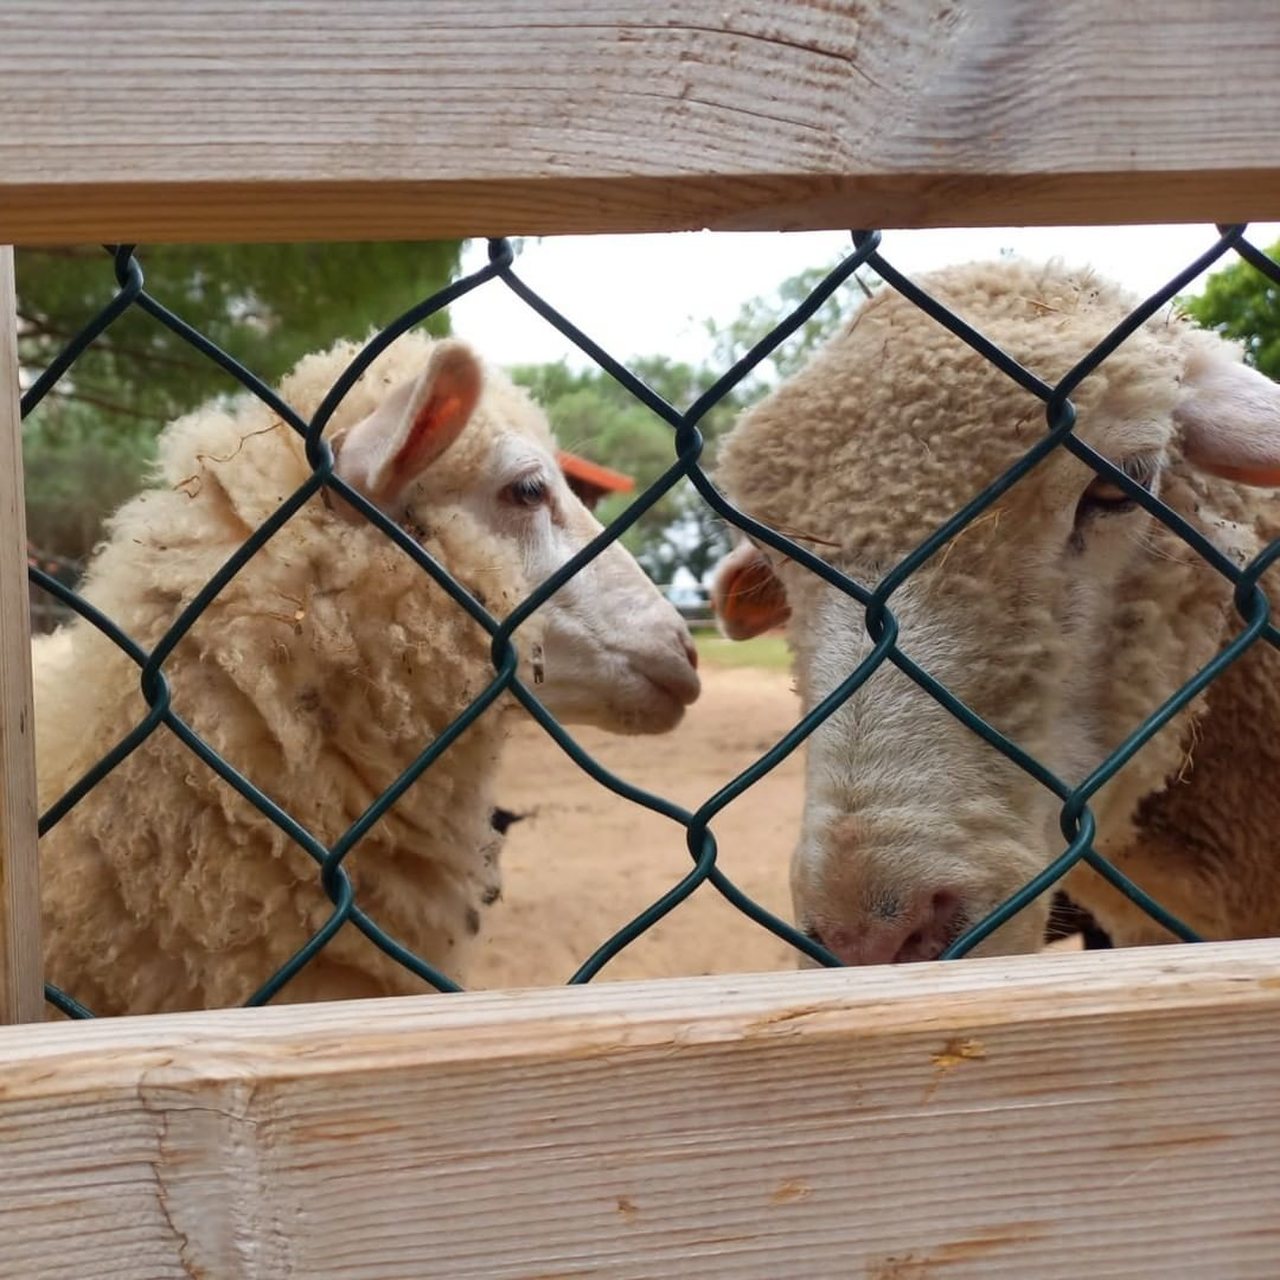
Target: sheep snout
x=636 y=676
x=674 y=667
x=667 y=682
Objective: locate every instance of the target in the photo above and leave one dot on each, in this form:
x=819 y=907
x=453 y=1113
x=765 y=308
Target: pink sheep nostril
x=935 y=927
x=923 y=931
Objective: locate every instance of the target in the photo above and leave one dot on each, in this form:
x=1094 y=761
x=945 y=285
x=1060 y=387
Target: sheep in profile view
x=320 y=672
x=1063 y=616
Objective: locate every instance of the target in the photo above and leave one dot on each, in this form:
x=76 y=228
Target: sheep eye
x=528 y=491
x=1105 y=497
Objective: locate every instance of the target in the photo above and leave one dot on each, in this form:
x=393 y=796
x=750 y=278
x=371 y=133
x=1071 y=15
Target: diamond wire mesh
x=1076 y=821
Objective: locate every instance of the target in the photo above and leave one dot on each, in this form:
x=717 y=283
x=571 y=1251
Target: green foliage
x=1240 y=302
x=758 y=317
x=595 y=417
x=76 y=473
x=767 y=652
x=88 y=444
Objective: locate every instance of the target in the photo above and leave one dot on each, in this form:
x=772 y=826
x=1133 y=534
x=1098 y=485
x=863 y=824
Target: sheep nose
x=673 y=666
x=922 y=930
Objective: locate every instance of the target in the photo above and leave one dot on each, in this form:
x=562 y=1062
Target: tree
x=88 y=444
x=595 y=416
x=1241 y=302
x=757 y=318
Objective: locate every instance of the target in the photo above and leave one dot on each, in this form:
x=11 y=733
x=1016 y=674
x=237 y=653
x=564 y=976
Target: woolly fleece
x=319 y=673
x=896 y=424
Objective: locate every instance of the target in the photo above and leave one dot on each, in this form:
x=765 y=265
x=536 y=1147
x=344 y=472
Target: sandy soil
x=586 y=861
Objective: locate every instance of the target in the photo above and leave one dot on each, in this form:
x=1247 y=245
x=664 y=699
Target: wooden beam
x=21 y=969
x=1052 y=1117
x=322 y=119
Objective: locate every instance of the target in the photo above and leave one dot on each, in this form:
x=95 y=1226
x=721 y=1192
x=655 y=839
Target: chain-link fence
x=1076 y=821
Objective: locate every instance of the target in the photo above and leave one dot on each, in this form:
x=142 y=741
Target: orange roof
x=593 y=473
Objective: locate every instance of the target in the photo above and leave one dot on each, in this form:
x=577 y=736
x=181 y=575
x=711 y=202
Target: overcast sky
x=642 y=295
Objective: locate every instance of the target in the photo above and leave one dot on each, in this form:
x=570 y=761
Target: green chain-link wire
x=1075 y=818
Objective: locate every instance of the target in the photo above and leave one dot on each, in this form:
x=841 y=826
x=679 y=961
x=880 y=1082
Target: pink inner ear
x=435 y=426
x=747 y=597
x=440 y=407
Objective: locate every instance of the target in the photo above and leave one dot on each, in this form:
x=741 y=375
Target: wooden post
x=21 y=981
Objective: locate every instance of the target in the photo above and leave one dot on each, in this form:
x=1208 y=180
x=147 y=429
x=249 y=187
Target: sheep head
x=1063 y=615
x=480 y=472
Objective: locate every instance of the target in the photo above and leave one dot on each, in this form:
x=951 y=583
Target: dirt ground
x=586 y=861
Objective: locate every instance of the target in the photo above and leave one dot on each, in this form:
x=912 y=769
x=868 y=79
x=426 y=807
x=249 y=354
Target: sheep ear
x=413 y=426
x=1229 y=415
x=746 y=594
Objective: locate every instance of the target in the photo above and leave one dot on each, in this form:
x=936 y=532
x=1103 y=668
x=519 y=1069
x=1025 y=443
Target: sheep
x=327 y=664
x=1063 y=616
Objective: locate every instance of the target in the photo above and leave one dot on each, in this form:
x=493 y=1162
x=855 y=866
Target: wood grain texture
x=21 y=967
x=322 y=119
x=1056 y=1117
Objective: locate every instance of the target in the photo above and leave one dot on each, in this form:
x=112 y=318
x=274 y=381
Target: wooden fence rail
x=238 y=120
x=1052 y=1118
